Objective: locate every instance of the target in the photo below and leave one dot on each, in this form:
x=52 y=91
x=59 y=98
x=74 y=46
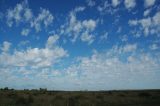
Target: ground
x=42 y=97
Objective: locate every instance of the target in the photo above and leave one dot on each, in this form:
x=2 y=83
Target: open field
x=79 y=98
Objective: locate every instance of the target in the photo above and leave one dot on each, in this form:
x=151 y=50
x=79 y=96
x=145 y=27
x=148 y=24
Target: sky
x=80 y=44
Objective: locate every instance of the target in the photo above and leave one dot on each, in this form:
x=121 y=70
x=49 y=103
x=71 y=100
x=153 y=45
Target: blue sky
x=80 y=44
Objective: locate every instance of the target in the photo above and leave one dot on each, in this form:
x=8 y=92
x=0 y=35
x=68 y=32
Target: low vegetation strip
x=42 y=97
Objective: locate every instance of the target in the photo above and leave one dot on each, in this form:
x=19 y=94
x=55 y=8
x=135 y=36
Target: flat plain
x=42 y=97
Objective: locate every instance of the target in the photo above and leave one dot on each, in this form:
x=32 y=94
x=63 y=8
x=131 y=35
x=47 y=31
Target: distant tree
x=26 y=89
x=43 y=89
x=12 y=89
x=6 y=88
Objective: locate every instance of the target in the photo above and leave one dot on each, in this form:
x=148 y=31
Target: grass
x=42 y=97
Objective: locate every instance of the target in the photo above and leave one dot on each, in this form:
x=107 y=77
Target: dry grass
x=81 y=98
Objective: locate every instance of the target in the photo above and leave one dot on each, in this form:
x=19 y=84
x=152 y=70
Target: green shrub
x=144 y=94
x=30 y=99
x=21 y=100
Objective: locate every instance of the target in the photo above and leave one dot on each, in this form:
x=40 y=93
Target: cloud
x=33 y=57
x=107 y=67
x=89 y=24
x=28 y=14
x=108 y=8
x=104 y=36
x=19 y=13
x=6 y=46
x=23 y=43
x=25 y=32
x=48 y=65
x=91 y=3
x=146 y=12
x=86 y=37
x=102 y=69
x=44 y=18
x=79 y=9
x=22 y=14
x=79 y=29
x=156 y=18
x=130 y=48
x=149 y=25
x=52 y=41
x=133 y=22
x=153 y=47
x=129 y=4
x=148 y=3
x=115 y=3
x=124 y=38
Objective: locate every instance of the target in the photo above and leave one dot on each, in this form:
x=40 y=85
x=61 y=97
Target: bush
x=144 y=94
x=21 y=100
x=30 y=99
x=59 y=97
x=71 y=101
x=6 y=89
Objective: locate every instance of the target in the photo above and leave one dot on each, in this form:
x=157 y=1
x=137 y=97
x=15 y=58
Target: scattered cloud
x=25 y=32
x=148 y=3
x=23 y=43
x=52 y=40
x=130 y=48
x=87 y=38
x=154 y=47
x=33 y=57
x=89 y=24
x=44 y=18
x=129 y=4
x=6 y=46
x=124 y=38
x=79 y=9
x=115 y=3
x=54 y=61
x=28 y=14
x=150 y=25
x=104 y=36
x=108 y=8
x=107 y=68
x=21 y=13
x=91 y=3
x=80 y=28
x=146 y=12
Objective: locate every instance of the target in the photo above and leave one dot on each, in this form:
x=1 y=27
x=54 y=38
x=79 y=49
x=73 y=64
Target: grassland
x=43 y=97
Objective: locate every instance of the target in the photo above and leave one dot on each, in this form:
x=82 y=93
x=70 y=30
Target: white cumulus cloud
x=148 y=3
x=149 y=25
x=129 y=4
x=52 y=41
x=115 y=3
x=33 y=57
x=44 y=18
x=79 y=29
x=25 y=32
x=6 y=46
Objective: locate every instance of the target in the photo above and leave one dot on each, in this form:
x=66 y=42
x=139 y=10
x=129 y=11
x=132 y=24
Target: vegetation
x=42 y=97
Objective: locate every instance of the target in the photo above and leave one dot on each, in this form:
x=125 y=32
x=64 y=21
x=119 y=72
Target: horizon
x=80 y=44
x=85 y=90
